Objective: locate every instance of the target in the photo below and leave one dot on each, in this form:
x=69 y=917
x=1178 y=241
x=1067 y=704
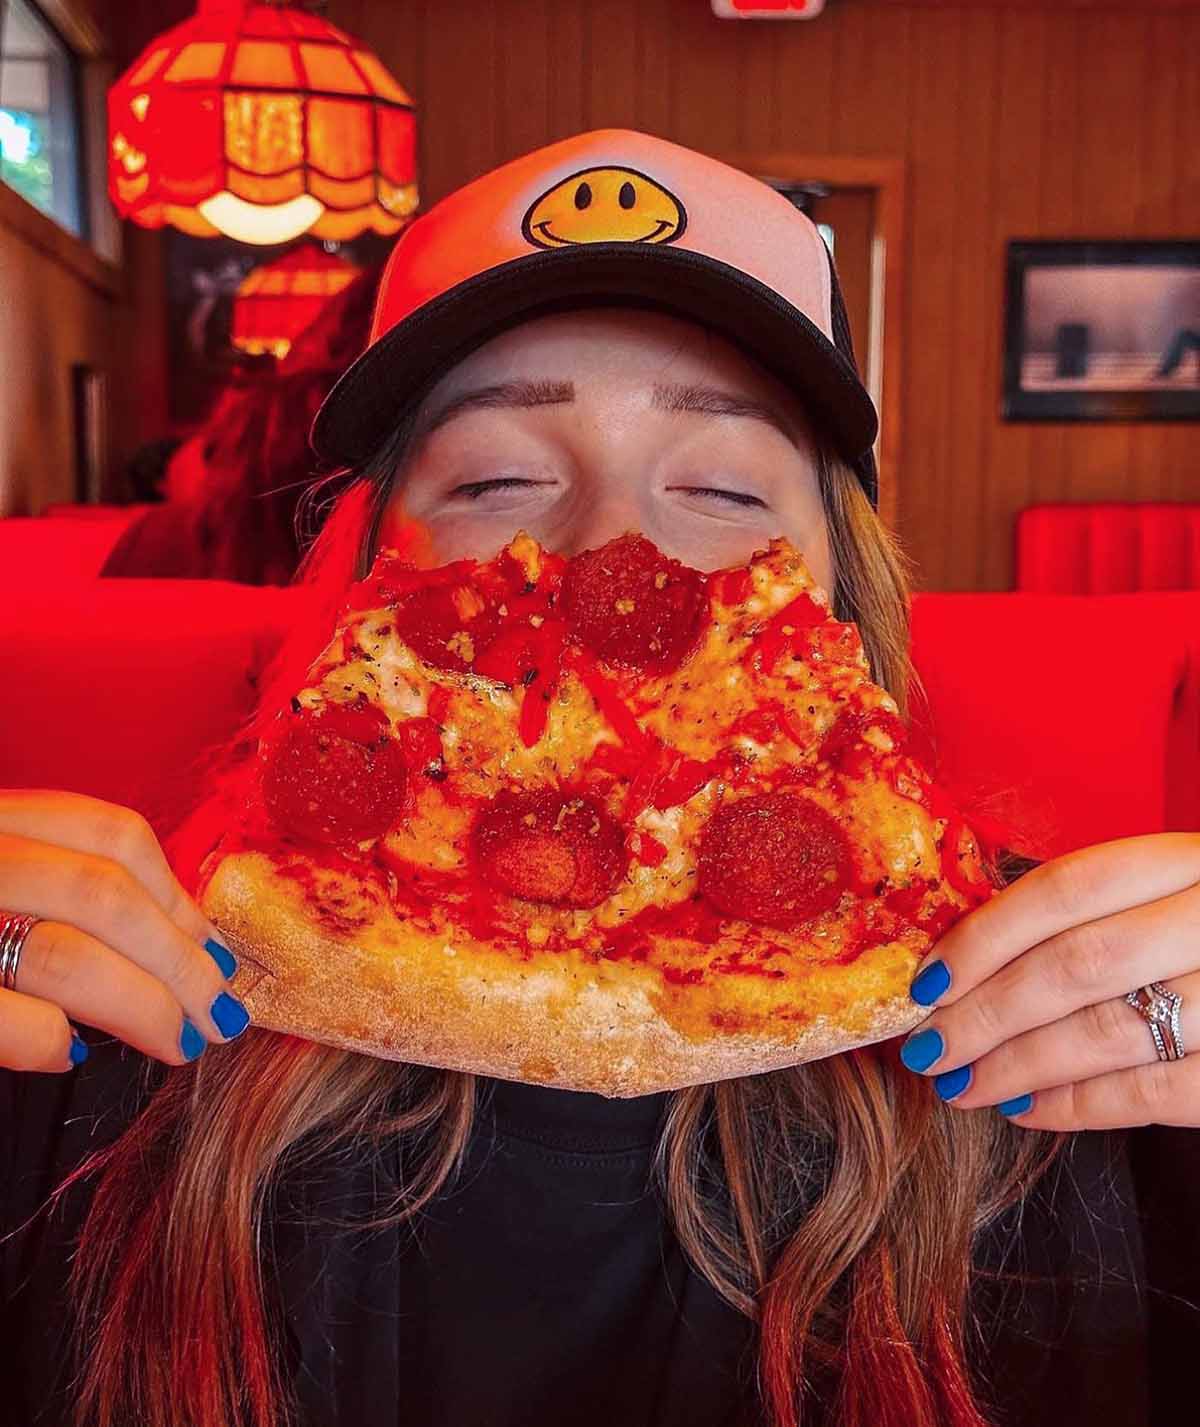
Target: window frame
x=80 y=178
x=95 y=258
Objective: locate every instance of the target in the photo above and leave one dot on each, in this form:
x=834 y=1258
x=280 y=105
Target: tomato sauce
x=646 y=849
x=784 y=633
x=417 y=891
x=732 y=587
x=611 y=705
x=692 y=920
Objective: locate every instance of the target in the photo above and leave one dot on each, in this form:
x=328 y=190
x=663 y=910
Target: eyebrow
x=685 y=397
x=709 y=401
x=502 y=394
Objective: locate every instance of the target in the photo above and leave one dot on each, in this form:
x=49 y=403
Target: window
x=39 y=115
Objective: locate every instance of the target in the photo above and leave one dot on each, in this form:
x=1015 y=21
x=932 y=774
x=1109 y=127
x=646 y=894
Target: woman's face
x=581 y=426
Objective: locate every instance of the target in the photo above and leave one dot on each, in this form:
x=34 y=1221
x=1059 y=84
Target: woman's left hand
x=1030 y=991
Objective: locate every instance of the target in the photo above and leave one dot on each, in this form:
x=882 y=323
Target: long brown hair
x=835 y=1204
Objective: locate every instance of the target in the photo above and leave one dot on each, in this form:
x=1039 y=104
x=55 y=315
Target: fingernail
x=230 y=1015
x=79 y=1050
x=952 y=1082
x=932 y=983
x=920 y=1051
x=224 y=958
x=191 y=1042
x=1016 y=1106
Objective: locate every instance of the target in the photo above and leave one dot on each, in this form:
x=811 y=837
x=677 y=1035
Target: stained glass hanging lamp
x=261 y=121
x=278 y=300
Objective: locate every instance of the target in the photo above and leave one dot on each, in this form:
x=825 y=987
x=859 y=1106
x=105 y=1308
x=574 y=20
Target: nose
x=606 y=509
x=611 y=459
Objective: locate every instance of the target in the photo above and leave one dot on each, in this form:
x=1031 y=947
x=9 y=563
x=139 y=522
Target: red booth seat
x=36 y=550
x=1108 y=549
x=73 y=510
x=1071 y=719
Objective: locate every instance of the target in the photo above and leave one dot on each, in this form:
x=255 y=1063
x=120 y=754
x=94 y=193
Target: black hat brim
x=370 y=399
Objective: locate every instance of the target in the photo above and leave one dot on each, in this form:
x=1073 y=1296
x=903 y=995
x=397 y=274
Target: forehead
x=613 y=348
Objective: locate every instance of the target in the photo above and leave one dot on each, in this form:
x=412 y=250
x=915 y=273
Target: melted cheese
x=694 y=711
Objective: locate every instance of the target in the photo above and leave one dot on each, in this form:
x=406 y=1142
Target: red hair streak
x=328 y=570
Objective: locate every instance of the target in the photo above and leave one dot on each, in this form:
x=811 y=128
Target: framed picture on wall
x=1102 y=331
x=90 y=399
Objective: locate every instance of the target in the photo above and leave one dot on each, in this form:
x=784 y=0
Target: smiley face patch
x=606 y=204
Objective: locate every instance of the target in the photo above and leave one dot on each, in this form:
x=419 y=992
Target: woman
x=237 y=489
x=837 y=1243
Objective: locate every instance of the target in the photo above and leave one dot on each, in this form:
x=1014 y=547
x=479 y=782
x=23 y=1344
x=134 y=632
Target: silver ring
x=1160 y=1009
x=14 y=928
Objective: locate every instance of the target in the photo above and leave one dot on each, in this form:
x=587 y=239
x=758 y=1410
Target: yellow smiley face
x=604 y=205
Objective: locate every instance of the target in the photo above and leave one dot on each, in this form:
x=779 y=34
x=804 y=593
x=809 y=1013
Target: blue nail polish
x=224 y=958
x=932 y=984
x=231 y=1016
x=79 y=1050
x=920 y=1051
x=952 y=1082
x=191 y=1042
x=1017 y=1106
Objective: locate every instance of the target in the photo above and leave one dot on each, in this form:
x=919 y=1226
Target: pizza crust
x=554 y=1023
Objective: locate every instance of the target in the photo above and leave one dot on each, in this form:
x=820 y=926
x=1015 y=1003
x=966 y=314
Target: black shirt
x=545 y=1288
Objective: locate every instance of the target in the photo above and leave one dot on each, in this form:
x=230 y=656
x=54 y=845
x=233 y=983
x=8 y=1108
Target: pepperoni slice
x=632 y=606
x=335 y=776
x=773 y=858
x=447 y=624
x=551 y=847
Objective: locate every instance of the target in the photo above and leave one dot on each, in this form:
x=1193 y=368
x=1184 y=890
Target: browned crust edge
x=556 y=1026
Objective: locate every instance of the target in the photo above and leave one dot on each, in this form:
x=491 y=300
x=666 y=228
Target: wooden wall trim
x=887 y=178
x=44 y=234
x=76 y=22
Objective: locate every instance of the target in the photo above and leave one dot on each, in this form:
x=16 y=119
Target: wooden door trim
x=887 y=178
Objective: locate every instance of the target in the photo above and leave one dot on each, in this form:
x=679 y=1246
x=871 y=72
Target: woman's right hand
x=118 y=943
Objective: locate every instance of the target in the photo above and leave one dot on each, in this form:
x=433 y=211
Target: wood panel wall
x=1017 y=119
x=59 y=305
x=37 y=425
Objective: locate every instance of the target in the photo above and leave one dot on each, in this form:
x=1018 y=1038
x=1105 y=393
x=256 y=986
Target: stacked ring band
x=1160 y=1009
x=14 y=928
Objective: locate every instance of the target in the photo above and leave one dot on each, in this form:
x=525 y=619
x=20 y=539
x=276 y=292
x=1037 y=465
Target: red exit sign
x=767 y=9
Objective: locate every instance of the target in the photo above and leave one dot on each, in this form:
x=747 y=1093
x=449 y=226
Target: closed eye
x=717 y=494
x=472 y=490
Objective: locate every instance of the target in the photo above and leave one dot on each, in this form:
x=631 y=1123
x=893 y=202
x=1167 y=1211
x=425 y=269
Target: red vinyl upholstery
x=1069 y=719
x=70 y=510
x=1108 y=549
x=114 y=687
x=64 y=547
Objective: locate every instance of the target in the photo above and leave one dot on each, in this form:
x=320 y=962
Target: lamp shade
x=262 y=122
x=277 y=301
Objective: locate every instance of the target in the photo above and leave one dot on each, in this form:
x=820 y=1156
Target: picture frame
x=90 y=398
x=1102 y=330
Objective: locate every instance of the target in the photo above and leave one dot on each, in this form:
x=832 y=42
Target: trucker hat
x=617 y=218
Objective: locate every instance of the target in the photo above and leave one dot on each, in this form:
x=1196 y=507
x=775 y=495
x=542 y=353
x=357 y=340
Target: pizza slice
x=609 y=824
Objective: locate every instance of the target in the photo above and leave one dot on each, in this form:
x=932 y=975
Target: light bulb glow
x=261 y=223
x=16 y=138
